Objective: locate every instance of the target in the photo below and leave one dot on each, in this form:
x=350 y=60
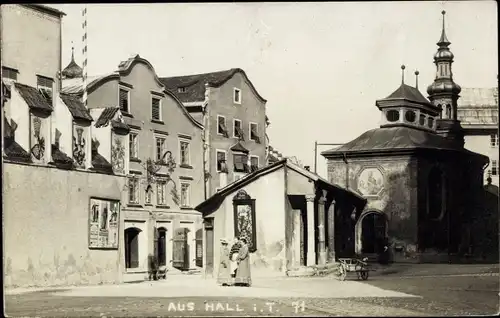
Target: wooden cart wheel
x=364 y=275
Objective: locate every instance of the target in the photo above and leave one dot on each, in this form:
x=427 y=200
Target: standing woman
x=243 y=276
x=224 y=276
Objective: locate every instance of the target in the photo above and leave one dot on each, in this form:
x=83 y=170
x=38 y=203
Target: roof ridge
x=200 y=74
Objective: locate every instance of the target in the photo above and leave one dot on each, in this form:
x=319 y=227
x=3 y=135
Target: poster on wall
x=103 y=223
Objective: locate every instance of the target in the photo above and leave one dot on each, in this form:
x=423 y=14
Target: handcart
x=360 y=267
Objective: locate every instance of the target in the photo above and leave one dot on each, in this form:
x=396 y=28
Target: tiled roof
x=408 y=93
x=119 y=125
x=14 y=151
x=33 y=97
x=100 y=163
x=76 y=107
x=60 y=157
x=478 y=106
x=194 y=85
x=106 y=116
x=239 y=147
x=75 y=85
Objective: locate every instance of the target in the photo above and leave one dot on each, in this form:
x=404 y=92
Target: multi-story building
x=53 y=168
x=164 y=164
x=234 y=116
x=478 y=113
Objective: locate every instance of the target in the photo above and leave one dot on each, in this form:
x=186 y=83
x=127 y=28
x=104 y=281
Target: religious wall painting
x=118 y=155
x=370 y=182
x=244 y=219
x=37 y=138
x=104 y=219
x=79 y=146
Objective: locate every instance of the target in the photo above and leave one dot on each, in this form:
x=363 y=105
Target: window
x=181 y=90
x=9 y=73
x=421 y=120
x=156 y=108
x=149 y=194
x=430 y=122
x=392 y=115
x=410 y=116
x=240 y=163
x=133 y=190
x=184 y=194
x=254 y=163
x=161 y=192
x=494 y=168
x=237 y=96
x=160 y=148
x=494 y=140
x=237 y=132
x=221 y=126
x=44 y=85
x=133 y=145
x=124 y=100
x=221 y=161
x=184 y=155
x=254 y=132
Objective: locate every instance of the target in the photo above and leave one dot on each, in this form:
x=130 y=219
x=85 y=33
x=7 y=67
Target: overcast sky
x=321 y=66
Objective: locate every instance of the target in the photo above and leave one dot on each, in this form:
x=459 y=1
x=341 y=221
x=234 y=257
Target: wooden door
x=209 y=252
x=199 y=248
x=161 y=247
x=181 y=249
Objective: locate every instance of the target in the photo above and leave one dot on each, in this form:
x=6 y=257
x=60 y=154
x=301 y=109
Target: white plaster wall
x=62 y=120
x=143 y=244
x=17 y=110
x=481 y=144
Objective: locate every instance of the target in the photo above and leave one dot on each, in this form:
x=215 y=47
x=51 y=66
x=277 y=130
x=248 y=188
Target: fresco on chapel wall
x=118 y=155
x=37 y=138
x=370 y=181
x=79 y=143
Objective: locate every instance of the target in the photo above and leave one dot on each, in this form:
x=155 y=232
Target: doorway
x=373 y=232
x=132 y=247
x=162 y=246
x=181 y=249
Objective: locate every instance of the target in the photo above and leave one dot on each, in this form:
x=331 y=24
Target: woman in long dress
x=224 y=276
x=243 y=276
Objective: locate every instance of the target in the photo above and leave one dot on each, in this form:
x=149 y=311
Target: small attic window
x=410 y=116
x=430 y=123
x=181 y=90
x=392 y=115
x=421 y=120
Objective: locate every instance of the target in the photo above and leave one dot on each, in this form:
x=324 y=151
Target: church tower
x=444 y=92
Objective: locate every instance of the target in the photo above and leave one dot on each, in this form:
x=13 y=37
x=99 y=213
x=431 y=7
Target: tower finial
x=443 y=41
x=403 y=74
x=72 y=51
x=416 y=78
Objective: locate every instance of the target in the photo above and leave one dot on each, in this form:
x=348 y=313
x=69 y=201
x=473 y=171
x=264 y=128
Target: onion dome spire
x=72 y=70
x=443 y=41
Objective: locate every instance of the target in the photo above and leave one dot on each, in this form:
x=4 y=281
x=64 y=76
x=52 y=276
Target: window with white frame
x=124 y=100
x=494 y=167
x=221 y=161
x=237 y=131
x=44 y=85
x=134 y=145
x=221 y=126
x=494 y=140
x=156 y=108
x=9 y=73
x=161 y=192
x=160 y=147
x=133 y=190
x=254 y=163
x=254 y=132
x=237 y=95
x=184 y=152
x=185 y=194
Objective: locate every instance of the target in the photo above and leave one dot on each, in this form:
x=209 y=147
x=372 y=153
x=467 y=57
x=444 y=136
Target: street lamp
x=316 y=144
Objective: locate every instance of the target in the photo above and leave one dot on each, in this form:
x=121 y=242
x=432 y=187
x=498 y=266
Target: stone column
x=311 y=253
x=331 y=232
x=321 y=231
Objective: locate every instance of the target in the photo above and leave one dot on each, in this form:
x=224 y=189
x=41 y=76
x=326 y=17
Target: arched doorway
x=162 y=246
x=132 y=247
x=373 y=228
x=181 y=249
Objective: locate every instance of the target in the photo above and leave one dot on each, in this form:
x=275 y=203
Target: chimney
x=308 y=168
x=223 y=175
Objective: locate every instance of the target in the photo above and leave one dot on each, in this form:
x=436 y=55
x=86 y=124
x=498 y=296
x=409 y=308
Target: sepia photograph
x=250 y=159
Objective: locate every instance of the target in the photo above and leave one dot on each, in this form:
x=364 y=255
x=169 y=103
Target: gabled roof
x=33 y=97
x=407 y=96
x=218 y=197
x=194 y=85
x=76 y=107
x=238 y=147
x=106 y=116
x=409 y=93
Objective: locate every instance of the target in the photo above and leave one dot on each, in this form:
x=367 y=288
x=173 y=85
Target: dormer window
x=392 y=116
x=44 y=85
x=410 y=116
x=240 y=163
x=9 y=73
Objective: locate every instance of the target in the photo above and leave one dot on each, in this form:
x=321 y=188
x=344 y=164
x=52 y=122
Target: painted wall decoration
x=37 y=138
x=104 y=218
x=244 y=219
x=79 y=146
x=370 y=182
x=118 y=155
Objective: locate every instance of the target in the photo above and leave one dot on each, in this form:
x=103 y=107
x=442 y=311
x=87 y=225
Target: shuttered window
x=124 y=102
x=221 y=161
x=221 y=126
x=254 y=163
x=155 y=109
x=44 y=85
x=254 y=133
x=240 y=163
x=9 y=73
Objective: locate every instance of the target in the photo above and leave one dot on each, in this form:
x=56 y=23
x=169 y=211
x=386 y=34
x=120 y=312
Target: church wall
x=393 y=192
x=46 y=241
